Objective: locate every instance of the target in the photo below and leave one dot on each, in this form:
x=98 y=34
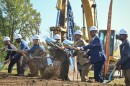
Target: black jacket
x=125 y=55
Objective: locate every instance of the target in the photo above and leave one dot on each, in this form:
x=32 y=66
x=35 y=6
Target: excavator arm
x=89 y=16
x=90 y=20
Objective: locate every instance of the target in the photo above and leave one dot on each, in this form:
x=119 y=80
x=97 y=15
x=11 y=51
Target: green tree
x=18 y=16
x=76 y=27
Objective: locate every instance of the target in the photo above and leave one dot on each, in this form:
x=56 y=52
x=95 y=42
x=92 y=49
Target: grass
x=5 y=69
x=14 y=71
x=91 y=74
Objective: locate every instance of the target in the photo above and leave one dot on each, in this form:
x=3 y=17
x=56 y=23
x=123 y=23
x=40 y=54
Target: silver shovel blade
x=68 y=43
x=50 y=40
x=1 y=65
x=106 y=81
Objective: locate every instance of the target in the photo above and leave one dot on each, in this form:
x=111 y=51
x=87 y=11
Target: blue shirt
x=34 y=47
x=23 y=46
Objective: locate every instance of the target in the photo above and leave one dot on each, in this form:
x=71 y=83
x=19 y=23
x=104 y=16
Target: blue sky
x=120 y=15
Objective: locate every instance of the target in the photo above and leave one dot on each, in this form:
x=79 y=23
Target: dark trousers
x=65 y=69
x=97 y=71
x=79 y=68
x=12 y=63
x=20 y=67
x=127 y=77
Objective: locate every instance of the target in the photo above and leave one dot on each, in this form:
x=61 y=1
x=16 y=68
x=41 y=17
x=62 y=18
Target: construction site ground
x=12 y=80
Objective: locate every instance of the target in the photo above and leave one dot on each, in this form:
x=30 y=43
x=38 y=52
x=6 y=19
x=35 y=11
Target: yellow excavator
x=107 y=36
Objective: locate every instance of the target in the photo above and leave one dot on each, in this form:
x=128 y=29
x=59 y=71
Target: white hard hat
x=79 y=32
x=122 y=31
x=17 y=36
x=93 y=28
x=36 y=36
x=6 y=39
x=57 y=36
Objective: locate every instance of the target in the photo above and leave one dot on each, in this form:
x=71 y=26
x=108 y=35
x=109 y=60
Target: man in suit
x=96 y=53
x=124 y=62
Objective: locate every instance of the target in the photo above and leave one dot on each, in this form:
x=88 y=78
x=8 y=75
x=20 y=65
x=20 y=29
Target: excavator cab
x=114 y=44
x=114 y=49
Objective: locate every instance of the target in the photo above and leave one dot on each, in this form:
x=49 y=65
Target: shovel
x=110 y=76
x=1 y=65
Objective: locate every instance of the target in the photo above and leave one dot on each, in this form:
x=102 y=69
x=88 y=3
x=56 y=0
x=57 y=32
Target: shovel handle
x=112 y=73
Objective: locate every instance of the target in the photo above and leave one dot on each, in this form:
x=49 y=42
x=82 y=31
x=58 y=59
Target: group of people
x=88 y=54
x=95 y=54
x=22 y=55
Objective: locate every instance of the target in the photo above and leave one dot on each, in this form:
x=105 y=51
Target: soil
x=12 y=80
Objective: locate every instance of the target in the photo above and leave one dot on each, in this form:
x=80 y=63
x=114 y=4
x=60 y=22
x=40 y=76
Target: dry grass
x=119 y=81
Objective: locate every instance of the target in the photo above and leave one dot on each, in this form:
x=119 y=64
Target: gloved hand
x=77 y=48
x=118 y=67
x=5 y=62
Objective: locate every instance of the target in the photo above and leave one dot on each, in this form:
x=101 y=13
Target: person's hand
x=5 y=62
x=61 y=48
x=77 y=48
x=23 y=51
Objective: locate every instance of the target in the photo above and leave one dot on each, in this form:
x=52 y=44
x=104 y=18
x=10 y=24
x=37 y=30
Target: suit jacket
x=125 y=55
x=96 y=51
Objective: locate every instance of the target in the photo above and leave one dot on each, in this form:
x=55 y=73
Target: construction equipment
x=107 y=36
x=61 y=21
x=111 y=45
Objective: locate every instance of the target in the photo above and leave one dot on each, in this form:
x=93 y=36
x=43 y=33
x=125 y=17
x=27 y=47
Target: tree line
x=18 y=16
